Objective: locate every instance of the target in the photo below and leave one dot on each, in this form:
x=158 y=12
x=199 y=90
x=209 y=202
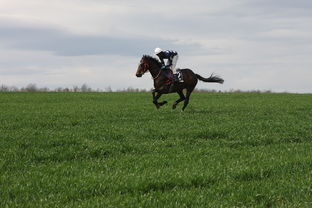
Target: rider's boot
x=176 y=78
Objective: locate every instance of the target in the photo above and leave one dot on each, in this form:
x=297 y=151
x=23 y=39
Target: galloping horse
x=161 y=85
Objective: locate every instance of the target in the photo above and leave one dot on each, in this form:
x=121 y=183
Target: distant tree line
x=34 y=88
x=232 y=91
x=86 y=88
x=83 y=88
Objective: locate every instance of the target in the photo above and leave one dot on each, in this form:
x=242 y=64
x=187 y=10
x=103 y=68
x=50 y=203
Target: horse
x=162 y=86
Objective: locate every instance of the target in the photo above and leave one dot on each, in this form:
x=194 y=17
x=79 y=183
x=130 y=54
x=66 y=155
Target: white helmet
x=158 y=50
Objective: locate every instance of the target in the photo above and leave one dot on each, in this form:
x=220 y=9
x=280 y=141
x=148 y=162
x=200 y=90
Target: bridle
x=145 y=68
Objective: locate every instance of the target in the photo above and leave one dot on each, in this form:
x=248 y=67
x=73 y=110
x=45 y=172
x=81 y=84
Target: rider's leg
x=175 y=77
x=174 y=63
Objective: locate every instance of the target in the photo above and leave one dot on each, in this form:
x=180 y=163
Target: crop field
x=118 y=150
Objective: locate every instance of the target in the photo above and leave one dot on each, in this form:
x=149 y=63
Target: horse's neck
x=154 y=70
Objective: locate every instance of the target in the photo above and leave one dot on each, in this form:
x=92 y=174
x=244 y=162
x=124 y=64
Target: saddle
x=171 y=78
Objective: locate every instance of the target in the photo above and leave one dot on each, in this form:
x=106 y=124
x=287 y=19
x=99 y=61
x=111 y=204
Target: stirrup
x=176 y=78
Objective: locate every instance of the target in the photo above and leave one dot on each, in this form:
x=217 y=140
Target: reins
x=157 y=74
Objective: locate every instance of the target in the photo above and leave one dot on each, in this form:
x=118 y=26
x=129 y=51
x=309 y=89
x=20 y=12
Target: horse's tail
x=212 y=78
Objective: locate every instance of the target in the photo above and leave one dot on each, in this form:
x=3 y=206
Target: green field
x=117 y=150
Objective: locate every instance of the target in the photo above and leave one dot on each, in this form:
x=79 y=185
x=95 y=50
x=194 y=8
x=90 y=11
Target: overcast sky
x=252 y=44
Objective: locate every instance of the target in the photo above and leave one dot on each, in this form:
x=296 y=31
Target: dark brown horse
x=161 y=85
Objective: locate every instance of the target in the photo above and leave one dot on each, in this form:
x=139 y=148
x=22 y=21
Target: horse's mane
x=152 y=59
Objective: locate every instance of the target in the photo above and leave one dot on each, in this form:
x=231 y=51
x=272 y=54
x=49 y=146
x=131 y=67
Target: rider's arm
x=162 y=61
x=161 y=58
x=169 y=63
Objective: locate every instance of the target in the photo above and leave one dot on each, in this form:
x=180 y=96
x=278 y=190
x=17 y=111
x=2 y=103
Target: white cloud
x=253 y=44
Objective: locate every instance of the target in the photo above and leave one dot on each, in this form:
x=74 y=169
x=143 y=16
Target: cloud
x=253 y=44
x=69 y=44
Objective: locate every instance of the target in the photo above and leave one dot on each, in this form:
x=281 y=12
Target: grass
x=117 y=150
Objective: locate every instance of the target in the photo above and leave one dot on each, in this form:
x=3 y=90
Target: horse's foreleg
x=156 y=96
x=182 y=97
x=154 y=99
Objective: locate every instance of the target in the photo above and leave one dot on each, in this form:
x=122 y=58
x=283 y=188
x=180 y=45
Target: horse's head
x=143 y=67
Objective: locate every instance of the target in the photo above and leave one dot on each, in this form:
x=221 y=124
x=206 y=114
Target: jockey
x=172 y=58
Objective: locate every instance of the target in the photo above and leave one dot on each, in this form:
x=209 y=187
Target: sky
x=252 y=44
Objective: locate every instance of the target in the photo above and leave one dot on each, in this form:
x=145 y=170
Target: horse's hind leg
x=187 y=97
x=182 y=97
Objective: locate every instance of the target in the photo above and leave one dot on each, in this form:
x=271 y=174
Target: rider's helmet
x=158 y=50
